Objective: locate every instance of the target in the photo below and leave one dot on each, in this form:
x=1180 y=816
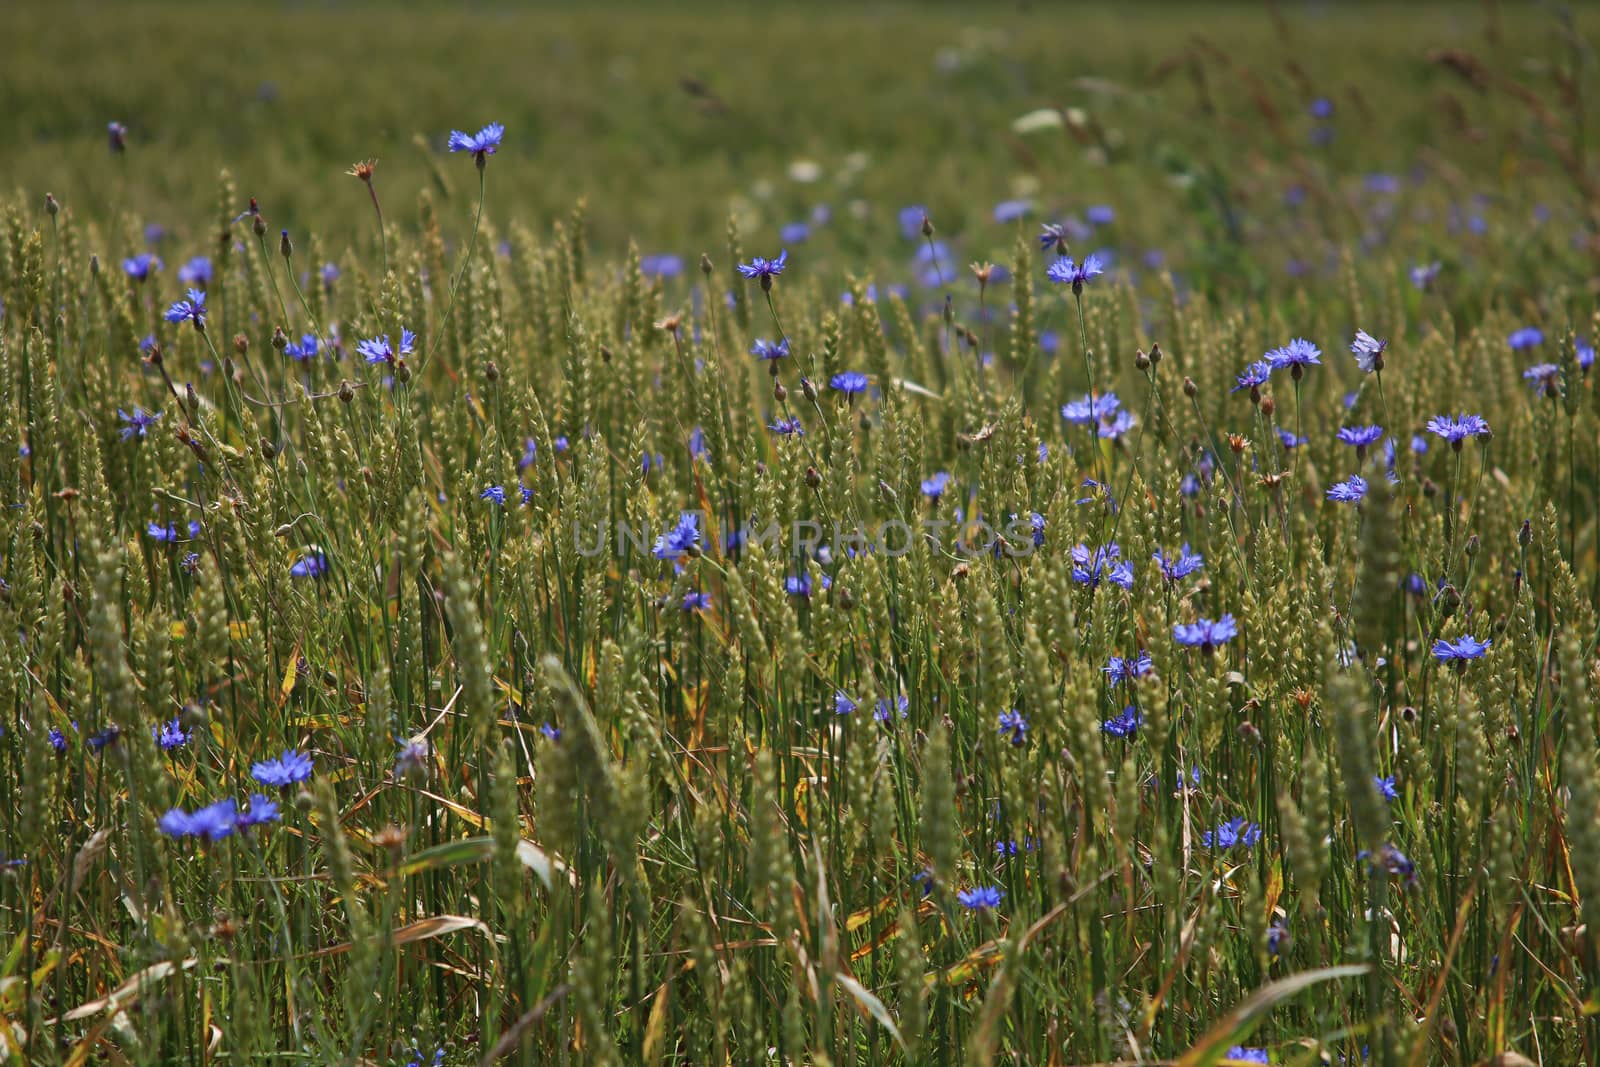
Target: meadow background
x=326 y=740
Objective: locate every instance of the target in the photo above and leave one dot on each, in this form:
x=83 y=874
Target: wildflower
x=108 y=736
x=1296 y=356
x=381 y=350
x=1088 y=409
x=683 y=538
x=934 y=487
x=139 y=267
x=661 y=265
x=842 y=704
x=765 y=269
x=1460 y=650
x=1289 y=439
x=764 y=349
x=328 y=274
x=1204 y=633
x=482 y=144
x=1386 y=787
x=1181 y=566
x=696 y=602
x=1036 y=523
x=1349 y=491
x=1067 y=272
x=884 y=709
x=169 y=534
x=196 y=272
x=1459 y=428
x=924 y=880
x=192 y=309
x=1425 y=274
x=1544 y=377
x=1053 y=237
x=849 y=382
x=1253 y=378
x=560 y=444
x=1277 y=934
x=1231 y=833
x=1368 y=351
x=283 y=771
x=1526 y=337
x=1244 y=1054
x=1012 y=210
x=117 y=136
x=1014 y=727
x=1099 y=215
x=1395 y=863
x=1125 y=724
x=787 y=428
x=913 y=220
x=1118 y=669
x=1117 y=425
x=981 y=898
x=212 y=822
x=138 y=424
x=651 y=461
x=553 y=733
x=530 y=452
x=1360 y=437
x=697 y=444
x=310 y=565
x=1088 y=567
x=1585 y=353
x=58 y=740
x=797 y=585
x=304 y=349
x=170 y=735
x=259 y=812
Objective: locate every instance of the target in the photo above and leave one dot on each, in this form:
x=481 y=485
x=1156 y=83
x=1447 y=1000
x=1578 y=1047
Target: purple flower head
x=1359 y=437
x=981 y=898
x=842 y=704
x=192 y=309
x=212 y=822
x=1012 y=210
x=1086 y=409
x=170 y=735
x=1460 y=650
x=787 y=428
x=1585 y=353
x=1458 y=428
x=381 y=350
x=304 y=349
x=697 y=444
x=138 y=424
x=1386 y=787
x=1289 y=439
x=1349 y=491
x=1246 y=1054
x=765 y=269
x=1036 y=524
x=1253 y=377
x=530 y=452
x=553 y=733
x=283 y=771
x=1067 y=272
x=912 y=219
x=482 y=144
x=933 y=487
x=117 y=136
x=260 y=812
x=310 y=565
x=1118 y=669
x=683 y=538
x=1099 y=215
x=794 y=233
x=769 y=350
x=849 y=382
x=169 y=534
x=1088 y=567
x=139 y=267
x=414 y=759
x=1205 y=634
x=1230 y=834
x=696 y=602
x=108 y=736
x=1321 y=108
x=1174 y=568
x=329 y=274
x=1544 y=377
x=884 y=710
x=1526 y=337
x=1124 y=724
x=1425 y=274
x=1295 y=357
x=662 y=265
x=1013 y=726
x=495 y=494
x=1368 y=351
x=1053 y=238
x=196 y=272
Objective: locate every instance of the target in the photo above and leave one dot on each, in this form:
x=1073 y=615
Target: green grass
x=628 y=832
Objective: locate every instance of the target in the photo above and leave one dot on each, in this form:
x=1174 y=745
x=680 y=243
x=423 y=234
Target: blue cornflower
x=108 y=736
x=1181 y=566
x=913 y=217
x=842 y=704
x=787 y=428
x=1087 y=409
x=1297 y=355
x=794 y=233
x=1013 y=725
x=1544 y=377
x=419 y=1059
x=1253 y=377
x=1012 y=210
x=1118 y=669
x=329 y=274
x=765 y=269
x=1386 y=787
x=1585 y=353
x=1321 y=108
x=1119 y=424
x=684 y=537
x=884 y=709
x=924 y=880
x=934 y=487
x=1460 y=650
x=1360 y=437
x=1349 y=491
x=697 y=444
x=481 y=144
x=310 y=565
x=117 y=136
x=530 y=452
x=260 y=812
x=414 y=759
x=381 y=350
x=1245 y=1054
x=1277 y=934
x=553 y=733
x=1289 y=439
x=560 y=444
x=1526 y=337
x=1394 y=862
x=138 y=423
x=1459 y=428
x=1099 y=215
x=170 y=735
x=1053 y=237
x=212 y=822
x=494 y=493
x=58 y=740
x=1425 y=274
x=797 y=585
x=304 y=349
x=770 y=350
x=849 y=382
x=1125 y=724
x=139 y=267
x=283 y=771
x=1036 y=523
x=661 y=265
x=1204 y=633
x=191 y=310
x=196 y=272
x=650 y=461
x=1088 y=567
x=1231 y=833
x=1368 y=351
x=1067 y=272
x=696 y=602
x=981 y=898
x=169 y=534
